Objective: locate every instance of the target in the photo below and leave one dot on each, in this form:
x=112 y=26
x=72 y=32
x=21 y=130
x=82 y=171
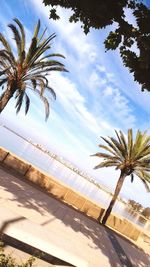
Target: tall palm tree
x=29 y=69
x=129 y=156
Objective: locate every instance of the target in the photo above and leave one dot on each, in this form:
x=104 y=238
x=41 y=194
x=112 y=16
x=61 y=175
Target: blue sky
x=97 y=96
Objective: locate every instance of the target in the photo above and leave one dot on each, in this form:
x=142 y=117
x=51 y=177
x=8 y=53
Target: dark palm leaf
x=47 y=110
x=132 y=177
x=27 y=103
x=22 y=34
x=17 y=38
x=123 y=139
x=3 y=71
x=2 y=95
x=51 y=90
x=46 y=104
x=52 y=55
x=33 y=81
x=19 y=101
x=3 y=81
x=4 y=54
x=7 y=47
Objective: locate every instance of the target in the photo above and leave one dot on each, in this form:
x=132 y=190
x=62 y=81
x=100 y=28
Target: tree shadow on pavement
x=88 y=237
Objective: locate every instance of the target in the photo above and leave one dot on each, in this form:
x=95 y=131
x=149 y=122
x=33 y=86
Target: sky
x=97 y=96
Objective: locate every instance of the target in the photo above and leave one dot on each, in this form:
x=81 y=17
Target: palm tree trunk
x=116 y=193
x=4 y=99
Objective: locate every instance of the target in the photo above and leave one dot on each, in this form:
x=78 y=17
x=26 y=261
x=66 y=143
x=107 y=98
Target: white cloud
x=101 y=68
x=95 y=81
x=73 y=102
x=108 y=91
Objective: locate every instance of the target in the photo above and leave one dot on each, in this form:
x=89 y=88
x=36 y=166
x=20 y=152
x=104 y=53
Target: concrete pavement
x=49 y=225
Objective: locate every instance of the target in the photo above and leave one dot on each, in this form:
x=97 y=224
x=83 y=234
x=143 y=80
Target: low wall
x=66 y=194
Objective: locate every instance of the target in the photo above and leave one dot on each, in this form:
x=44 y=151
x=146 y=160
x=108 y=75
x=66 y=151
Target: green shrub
x=7 y=260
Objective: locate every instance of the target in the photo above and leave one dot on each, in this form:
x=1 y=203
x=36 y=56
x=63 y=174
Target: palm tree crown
x=129 y=156
x=29 y=69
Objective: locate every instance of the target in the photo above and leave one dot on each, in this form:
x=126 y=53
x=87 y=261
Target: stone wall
x=66 y=194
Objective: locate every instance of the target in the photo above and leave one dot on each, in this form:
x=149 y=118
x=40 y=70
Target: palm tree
x=29 y=69
x=129 y=156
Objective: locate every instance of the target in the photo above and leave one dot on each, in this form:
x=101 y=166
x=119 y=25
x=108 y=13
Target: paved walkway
x=37 y=219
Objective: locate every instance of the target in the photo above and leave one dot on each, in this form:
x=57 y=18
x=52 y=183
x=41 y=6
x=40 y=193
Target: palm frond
x=30 y=77
x=22 y=34
x=3 y=81
x=42 y=86
x=118 y=137
x=42 y=35
x=143 y=153
x=48 y=63
x=17 y=38
x=27 y=103
x=106 y=156
x=44 y=78
x=2 y=95
x=107 y=163
x=19 y=101
x=43 y=72
x=53 y=69
x=31 y=51
x=146 y=185
x=47 y=110
x=4 y=64
x=108 y=149
x=144 y=179
x=52 y=55
x=7 y=46
x=112 y=146
x=119 y=147
x=40 y=48
x=3 y=71
x=6 y=57
x=137 y=144
x=130 y=142
x=34 y=83
x=132 y=177
x=52 y=92
x=147 y=176
x=46 y=103
x=37 y=28
x=123 y=140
